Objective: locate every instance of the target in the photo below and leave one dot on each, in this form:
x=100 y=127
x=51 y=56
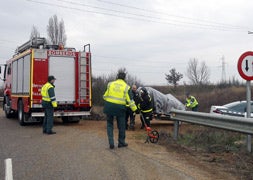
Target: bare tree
x=62 y=34
x=34 y=33
x=173 y=77
x=198 y=75
x=133 y=80
x=129 y=78
x=56 y=31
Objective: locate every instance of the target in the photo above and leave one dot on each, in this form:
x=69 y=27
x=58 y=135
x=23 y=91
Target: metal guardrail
x=232 y=123
x=238 y=124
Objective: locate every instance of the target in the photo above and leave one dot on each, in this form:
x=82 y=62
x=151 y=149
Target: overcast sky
x=147 y=37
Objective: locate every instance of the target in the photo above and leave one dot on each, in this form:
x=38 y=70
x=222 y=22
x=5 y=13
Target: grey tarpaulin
x=163 y=103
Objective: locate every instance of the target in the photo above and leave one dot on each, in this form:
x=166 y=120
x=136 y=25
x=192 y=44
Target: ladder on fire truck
x=84 y=70
x=35 y=42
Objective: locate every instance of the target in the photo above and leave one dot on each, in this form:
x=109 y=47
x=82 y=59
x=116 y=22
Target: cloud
x=147 y=37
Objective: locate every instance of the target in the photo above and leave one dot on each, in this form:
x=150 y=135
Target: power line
x=7 y=41
x=139 y=62
x=139 y=68
x=173 y=23
x=135 y=71
x=6 y=47
x=216 y=25
x=171 y=15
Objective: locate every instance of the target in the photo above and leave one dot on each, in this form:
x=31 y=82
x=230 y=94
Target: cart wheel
x=154 y=136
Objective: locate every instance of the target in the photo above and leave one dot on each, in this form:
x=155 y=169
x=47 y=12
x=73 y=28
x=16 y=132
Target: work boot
x=51 y=132
x=122 y=145
x=111 y=146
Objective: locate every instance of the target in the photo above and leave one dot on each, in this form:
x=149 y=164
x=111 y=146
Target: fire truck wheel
x=7 y=108
x=22 y=117
x=75 y=120
x=66 y=119
x=40 y=119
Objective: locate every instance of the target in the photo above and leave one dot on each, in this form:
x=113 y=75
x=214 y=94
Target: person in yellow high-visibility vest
x=48 y=103
x=116 y=97
x=191 y=102
x=129 y=113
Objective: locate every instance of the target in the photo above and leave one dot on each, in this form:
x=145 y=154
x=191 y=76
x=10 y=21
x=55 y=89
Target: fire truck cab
x=27 y=71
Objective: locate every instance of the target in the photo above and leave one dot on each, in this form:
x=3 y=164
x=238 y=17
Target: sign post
x=245 y=69
x=248 y=113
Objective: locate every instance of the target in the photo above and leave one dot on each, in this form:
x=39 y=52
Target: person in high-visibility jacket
x=116 y=97
x=129 y=113
x=191 y=102
x=145 y=105
x=48 y=103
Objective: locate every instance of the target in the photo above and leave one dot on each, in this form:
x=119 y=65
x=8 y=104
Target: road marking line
x=8 y=169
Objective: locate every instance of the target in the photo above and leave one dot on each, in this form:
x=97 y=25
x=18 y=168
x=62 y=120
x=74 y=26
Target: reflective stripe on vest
x=146 y=111
x=190 y=103
x=116 y=92
x=132 y=105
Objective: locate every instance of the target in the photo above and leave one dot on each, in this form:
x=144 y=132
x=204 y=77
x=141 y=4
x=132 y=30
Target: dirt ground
x=198 y=164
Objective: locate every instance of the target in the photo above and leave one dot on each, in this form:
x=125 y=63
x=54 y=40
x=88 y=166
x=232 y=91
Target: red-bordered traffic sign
x=245 y=65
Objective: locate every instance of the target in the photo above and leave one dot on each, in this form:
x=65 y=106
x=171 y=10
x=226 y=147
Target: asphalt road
x=80 y=151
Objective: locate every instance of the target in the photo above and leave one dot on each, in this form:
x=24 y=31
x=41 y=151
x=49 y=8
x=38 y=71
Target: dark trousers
x=121 y=124
x=146 y=118
x=195 y=108
x=48 y=121
x=130 y=113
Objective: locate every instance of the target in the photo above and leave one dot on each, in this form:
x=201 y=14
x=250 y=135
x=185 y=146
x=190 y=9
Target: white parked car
x=237 y=108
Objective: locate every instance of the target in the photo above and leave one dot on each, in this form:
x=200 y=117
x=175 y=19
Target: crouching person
x=145 y=107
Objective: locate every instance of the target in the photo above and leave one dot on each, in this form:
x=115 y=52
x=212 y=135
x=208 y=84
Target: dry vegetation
x=223 y=149
x=207 y=95
x=227 y=150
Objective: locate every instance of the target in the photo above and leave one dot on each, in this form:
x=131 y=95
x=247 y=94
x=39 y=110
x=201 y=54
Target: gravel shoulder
x=156 y=161
x=81 y=151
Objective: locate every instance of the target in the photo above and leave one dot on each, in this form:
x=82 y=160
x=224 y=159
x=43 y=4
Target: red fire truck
x=27 y=71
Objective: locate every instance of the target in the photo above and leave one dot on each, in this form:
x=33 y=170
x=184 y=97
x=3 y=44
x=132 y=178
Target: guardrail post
x=176 y=129
x=237 y=124
x=249 y=143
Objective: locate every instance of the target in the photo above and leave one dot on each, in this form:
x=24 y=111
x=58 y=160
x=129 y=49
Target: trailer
x=27 y=71
x=163 y=103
